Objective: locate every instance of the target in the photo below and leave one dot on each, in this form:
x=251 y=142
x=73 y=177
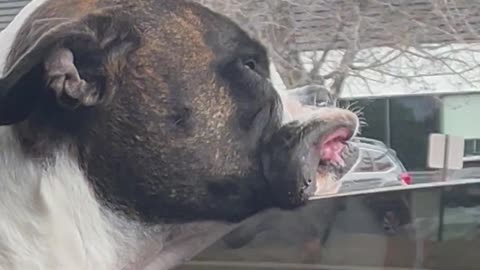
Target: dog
x=135 y=133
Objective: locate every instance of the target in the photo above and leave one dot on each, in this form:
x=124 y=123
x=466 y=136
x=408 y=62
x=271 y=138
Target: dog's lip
x=331 y=146
x=332 y=162
x=340 y=134
x=327 y=149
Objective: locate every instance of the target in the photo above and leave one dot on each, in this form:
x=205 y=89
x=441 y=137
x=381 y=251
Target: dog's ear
x=74 y=62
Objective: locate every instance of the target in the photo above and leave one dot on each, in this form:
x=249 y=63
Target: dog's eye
x=251 y=64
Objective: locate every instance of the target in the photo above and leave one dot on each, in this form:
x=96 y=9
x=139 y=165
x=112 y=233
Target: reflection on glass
x=434 y=228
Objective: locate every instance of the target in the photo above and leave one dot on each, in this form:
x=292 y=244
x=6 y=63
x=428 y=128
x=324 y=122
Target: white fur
x=50 y=219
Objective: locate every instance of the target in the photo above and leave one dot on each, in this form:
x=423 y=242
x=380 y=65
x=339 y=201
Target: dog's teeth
x=337 y=163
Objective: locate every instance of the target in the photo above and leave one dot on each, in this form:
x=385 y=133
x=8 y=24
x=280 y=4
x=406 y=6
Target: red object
x=406 y=178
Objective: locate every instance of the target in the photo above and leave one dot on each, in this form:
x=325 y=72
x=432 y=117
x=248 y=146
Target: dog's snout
x=336 y=115
x=309 y=152
x=309 y=186
x=329 y=116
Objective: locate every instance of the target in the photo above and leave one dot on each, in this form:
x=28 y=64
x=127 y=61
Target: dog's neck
x=50 y=219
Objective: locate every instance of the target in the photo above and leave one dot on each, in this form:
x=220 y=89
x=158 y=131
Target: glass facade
x=404 y=123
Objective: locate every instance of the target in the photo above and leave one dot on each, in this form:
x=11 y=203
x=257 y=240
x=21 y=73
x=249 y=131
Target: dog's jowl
x=136 y=132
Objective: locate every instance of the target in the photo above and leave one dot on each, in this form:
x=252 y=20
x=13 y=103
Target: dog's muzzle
x=304 y=156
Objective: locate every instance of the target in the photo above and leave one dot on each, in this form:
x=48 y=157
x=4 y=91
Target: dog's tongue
x=333 y=145
x=332 y=152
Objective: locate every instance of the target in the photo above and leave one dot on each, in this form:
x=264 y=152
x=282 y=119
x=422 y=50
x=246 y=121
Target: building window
x=472 y=147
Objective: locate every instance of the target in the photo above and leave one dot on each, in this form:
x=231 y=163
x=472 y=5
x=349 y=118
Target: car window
x=382 y=161
x=365 y=163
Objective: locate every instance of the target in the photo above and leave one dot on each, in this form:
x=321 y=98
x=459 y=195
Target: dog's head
x=168 y=109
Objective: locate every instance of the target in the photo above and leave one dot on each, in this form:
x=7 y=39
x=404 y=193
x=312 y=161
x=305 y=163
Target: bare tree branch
x=326 y=42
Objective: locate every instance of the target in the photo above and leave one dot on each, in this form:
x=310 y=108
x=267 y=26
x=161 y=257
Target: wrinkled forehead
x=179 y=33
x=199 y=30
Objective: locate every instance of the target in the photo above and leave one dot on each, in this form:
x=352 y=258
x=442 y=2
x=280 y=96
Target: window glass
x=400 y=191
x=410 y=72
x=437 y=228
x=413 y=119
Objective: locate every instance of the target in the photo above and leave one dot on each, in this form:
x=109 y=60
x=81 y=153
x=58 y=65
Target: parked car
x=376 y=167
x=471 y=161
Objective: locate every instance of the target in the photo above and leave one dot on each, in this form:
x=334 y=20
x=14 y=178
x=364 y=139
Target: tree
x=346 y=45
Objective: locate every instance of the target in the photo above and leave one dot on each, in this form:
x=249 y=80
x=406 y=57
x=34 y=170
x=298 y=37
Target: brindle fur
x=176 y=135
